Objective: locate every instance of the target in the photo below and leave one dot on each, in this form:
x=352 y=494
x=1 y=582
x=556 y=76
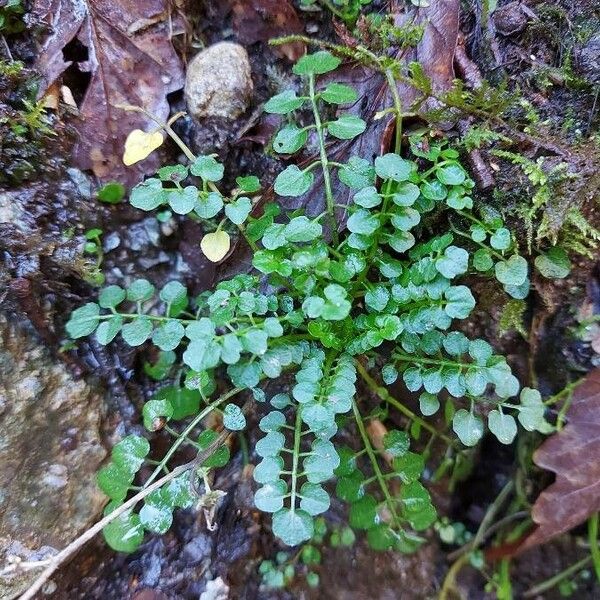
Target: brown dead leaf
x=260 y=20
x=128 y=64
x=376 y=431
x=574 y=455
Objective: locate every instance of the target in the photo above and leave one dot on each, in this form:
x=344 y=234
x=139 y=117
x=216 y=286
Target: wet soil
x=43 y=273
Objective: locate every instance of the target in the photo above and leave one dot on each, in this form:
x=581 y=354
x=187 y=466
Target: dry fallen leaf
x=377 y=431
x=261 y=20
x=574 y=455
x=126 y=67
x=140 y=144
x=215 y=245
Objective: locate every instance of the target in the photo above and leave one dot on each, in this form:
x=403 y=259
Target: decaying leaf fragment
x=140 y=144
x=215 y=246
x=574 y=455
x=127 y=65
x=260 y=20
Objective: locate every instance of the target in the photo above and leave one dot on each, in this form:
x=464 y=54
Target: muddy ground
x=42 y=275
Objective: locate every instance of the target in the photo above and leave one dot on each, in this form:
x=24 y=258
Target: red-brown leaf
x=574 y=455
x=260 y=20
x=130 y=60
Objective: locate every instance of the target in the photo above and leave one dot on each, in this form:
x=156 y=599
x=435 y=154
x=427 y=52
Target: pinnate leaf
x=316 y=64
x=293 y=526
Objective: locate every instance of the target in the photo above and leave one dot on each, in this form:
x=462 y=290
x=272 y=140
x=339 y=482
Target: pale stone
x=219 y=82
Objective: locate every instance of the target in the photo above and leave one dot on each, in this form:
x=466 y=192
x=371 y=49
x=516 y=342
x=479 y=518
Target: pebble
x=216 y=589
x=219 y=82
x=197 y=549
x=81 y=181
x=510 y=19
x=111 y=241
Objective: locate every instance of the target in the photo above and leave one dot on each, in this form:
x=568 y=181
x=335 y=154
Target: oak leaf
x=130 y=60
x=574 y=455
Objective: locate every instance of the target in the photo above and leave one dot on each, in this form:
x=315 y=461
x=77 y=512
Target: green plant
x=11 y=16
x=325 y=306
x=552 y=213
x=346 y=10
x=93 y=249
x=303 y=562
x=11 y=69
x=111 y=193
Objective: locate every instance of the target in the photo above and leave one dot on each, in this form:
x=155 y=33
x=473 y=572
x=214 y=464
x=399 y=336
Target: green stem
x=391 y=81
x=193 y=423
x=480 y=244
x=593 y=541
x=475 y=220
x=296 y=457
x=386 y=397
x=374 y=463
x=397 y=148
x=565 y=391
x=490 y=514
x=244 y=448
x=430 y=361
x=505 y=588
x=324 y=162
x=544 y=586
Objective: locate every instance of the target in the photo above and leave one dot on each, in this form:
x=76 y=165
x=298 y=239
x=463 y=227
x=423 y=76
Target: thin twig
x=488 y=533
x=7 y=48
x=548 y=584
x=57 y=560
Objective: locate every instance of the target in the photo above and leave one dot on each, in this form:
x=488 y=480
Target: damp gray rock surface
x=50 y=449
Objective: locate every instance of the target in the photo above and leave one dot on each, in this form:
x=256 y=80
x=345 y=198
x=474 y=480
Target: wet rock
x=215 y=590
x=152 y=569
x=82 y=181
x=511 y=18
x=199 y=548
x=10 y=211
x=587 y=57
x=38 y=227
x=148 y=263
x=111 y=241
x=142 y=234
x=218 y=82
x=48 y=495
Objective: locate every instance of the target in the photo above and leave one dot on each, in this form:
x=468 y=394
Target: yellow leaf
x=139 y=145
x=215 y=245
